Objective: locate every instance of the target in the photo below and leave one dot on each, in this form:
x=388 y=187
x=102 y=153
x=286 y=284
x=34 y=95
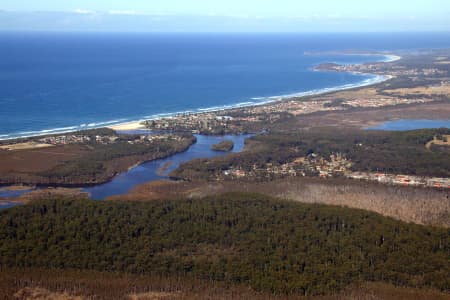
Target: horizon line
x=218 y=32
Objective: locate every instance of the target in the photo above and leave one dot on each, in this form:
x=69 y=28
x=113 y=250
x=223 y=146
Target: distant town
x=72 y=139
x=337 y=165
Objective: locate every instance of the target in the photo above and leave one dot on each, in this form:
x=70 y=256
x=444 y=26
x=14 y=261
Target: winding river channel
x=147 y=171
x=160 y=168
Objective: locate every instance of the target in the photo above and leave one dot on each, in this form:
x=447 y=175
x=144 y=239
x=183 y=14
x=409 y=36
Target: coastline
x=126 y=124
x=376 y=79
x=137 y=125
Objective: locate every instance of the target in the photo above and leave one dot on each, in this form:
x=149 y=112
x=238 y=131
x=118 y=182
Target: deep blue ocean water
x=61 y=81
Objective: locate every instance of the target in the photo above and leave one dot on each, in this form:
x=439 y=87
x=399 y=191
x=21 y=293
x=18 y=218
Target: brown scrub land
x=38 y=160
x=84 y=163
x=369 y=117
x=27 y=284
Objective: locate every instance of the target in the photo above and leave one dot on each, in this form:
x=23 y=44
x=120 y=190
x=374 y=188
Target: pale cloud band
x=82 y=19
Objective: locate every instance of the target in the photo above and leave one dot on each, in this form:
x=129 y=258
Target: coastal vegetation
x=224 y=146
x=267 y=244
x=402 y=152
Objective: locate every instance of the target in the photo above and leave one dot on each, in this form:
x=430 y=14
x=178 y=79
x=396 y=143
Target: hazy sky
x=226 y=15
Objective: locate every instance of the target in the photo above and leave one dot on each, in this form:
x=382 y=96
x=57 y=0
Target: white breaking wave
x=60 y=130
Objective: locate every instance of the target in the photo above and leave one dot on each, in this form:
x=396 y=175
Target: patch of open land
x=85 y=158
x=38 y=159
x=363 y=118
x=444 y=141
x=25 y=146
x=425 y=91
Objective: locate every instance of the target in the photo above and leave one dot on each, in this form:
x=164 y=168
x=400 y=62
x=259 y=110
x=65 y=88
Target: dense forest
x=393 y=152
x=270 y=245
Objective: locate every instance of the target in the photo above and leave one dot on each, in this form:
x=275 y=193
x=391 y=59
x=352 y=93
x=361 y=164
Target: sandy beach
x=392 y=58
x=135 y=125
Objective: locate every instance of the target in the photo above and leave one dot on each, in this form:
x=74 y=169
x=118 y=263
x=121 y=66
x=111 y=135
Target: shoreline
x=132 y=125
x=377 y=79
x=125 y=125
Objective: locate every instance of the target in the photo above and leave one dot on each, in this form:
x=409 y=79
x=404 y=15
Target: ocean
x=57 y=82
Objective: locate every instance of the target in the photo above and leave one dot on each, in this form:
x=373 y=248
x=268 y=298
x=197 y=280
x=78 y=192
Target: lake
x=410 y=124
